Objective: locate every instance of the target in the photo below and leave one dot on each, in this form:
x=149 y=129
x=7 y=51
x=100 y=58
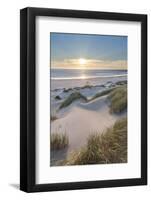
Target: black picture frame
x=28 y=99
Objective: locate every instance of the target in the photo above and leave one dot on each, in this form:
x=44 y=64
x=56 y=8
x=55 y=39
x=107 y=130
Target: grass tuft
x=118 y=99
x=67 y=90
x=109 y=147
x=59 y=141
x=57 y=97
x=87 y=86
x=72 y=97
x=100 y=94
x=121 y=82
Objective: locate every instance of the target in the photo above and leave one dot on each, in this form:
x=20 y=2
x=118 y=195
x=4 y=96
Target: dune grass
x=77 y=95
x=117 y=96
x=100 y=94
x=71 y=98
x=57 y=97
x=58 y=141
x=118 y=99
x=121 y=82
x=67 y=90
x=109 y=147
x=87 y=86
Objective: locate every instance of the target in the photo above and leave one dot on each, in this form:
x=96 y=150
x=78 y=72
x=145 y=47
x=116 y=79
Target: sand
x=56 y=84
x=80 y=119
x=83 y=119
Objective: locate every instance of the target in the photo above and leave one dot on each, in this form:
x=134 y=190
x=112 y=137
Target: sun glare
x=82 y=61
x=83 y=77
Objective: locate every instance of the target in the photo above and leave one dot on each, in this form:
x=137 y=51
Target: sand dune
x=96 y=104
x=80 y=119
x=83 y=119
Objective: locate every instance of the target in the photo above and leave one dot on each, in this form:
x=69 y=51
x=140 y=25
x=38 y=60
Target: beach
x=86 y=115
x=88 y=99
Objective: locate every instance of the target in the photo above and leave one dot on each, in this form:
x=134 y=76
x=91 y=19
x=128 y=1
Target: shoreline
x=87 y=77
x=72 y=83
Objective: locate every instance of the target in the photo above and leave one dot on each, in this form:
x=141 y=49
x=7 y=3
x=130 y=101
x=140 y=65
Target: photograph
x=88 y=99
x=83 y=99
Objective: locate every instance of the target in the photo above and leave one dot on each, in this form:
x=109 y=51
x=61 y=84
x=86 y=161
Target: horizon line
x=88 y=68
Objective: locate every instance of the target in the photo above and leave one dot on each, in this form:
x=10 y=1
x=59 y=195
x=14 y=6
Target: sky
x=81 y=51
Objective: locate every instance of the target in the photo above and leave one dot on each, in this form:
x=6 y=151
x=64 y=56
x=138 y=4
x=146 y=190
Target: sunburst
x=82 y=61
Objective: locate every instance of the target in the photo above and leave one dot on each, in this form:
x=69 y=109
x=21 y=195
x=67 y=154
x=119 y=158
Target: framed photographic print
x=83 y=95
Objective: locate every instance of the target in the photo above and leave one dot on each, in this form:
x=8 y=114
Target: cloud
x=90 y=64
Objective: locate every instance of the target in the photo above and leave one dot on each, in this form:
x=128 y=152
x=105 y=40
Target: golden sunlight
x=82 y=61
x=83 y=77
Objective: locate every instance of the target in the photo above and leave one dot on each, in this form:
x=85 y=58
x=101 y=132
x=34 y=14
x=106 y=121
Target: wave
x=88 y=77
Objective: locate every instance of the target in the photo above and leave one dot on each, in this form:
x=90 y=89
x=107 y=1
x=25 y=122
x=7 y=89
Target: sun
x=82 y=61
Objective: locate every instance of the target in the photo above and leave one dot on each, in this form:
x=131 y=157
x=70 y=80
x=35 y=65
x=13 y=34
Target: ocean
x=67 y=74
